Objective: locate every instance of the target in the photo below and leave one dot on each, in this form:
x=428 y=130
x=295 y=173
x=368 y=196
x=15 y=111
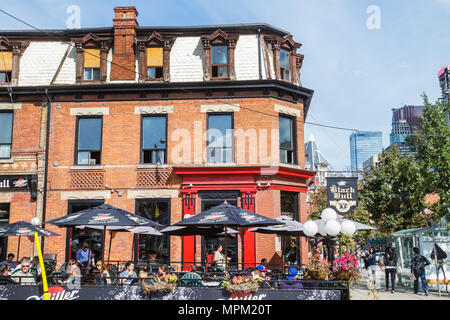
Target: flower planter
x=317 y=274
x=158 y=287
x=242 y=287
x=343 y=275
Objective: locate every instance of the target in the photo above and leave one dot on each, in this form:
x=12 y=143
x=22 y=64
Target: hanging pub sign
x=19 y=183
x=342 y=193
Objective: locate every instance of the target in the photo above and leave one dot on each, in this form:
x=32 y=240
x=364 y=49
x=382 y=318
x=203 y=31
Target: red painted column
x=248 y=246
x=188 y=253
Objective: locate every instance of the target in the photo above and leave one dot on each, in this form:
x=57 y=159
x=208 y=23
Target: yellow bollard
x=41 y=262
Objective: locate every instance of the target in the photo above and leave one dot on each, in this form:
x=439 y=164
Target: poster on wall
x=342 y=194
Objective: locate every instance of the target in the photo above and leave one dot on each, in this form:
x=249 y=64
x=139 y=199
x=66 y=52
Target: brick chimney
x=125 y=23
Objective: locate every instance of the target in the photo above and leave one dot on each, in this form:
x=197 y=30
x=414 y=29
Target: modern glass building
x=363 y=145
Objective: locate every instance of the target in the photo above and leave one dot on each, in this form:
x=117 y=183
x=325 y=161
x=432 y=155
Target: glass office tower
x=363 y=145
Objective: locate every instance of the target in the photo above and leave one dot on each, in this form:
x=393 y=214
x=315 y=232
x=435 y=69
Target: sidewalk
x=362 y=292
x=401 y=293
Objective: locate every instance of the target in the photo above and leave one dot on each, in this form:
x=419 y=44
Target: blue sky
x=358 y=74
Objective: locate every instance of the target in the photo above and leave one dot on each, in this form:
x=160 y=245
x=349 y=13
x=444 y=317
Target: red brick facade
x=122 y=180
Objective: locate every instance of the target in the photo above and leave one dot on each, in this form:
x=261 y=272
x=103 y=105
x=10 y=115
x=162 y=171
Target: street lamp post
x=329 y=228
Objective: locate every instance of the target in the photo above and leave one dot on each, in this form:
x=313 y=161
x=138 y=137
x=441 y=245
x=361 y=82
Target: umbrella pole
x=103 y=251
x=18 y=248
x=226 y=255
x=109 y=249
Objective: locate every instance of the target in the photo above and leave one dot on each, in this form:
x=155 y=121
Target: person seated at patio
x=219 y=258
x=72 y=273
x=36 y=265
x=268 y=279
x=19 y=266
x=291 y=281
x=128 y=275
x=257 y=275
x=24 y=276
x=9 y=261
x=105 y=278
x=164 y=273
x=263 y=270
x=5 y=278
x=84 y=254
x=264 y=262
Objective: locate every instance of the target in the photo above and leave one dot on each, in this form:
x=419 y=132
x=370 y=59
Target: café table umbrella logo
x=214 y=217
x=250 y=218
x=103 y=218
x=24 y=231
x=136 y=219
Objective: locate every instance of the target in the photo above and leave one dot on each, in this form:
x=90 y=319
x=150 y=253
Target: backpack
x=441 y=255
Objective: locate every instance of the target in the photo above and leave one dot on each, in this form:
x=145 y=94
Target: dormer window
x=91 y=63
x=285 y=65
x=5 y=67
x=155 y=63
x=219 y=62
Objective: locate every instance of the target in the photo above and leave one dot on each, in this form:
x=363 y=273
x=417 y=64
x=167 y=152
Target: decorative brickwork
x=87 y=179
x=153 y=178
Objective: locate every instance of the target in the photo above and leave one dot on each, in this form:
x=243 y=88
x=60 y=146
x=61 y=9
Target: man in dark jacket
x=5 y=279
x=418 y=264
x=390 y=266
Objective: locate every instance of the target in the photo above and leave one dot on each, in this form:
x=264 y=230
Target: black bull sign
x=342 y=193
x=134 y=292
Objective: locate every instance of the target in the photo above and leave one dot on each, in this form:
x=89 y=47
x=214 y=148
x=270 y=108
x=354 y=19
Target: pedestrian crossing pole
x=41 y=263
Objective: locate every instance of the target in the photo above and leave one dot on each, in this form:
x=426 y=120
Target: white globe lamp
x=35 y=221
x=328 y=214
x=348 y=227
x=310 y=228
x=332 y=227
x=322 y=229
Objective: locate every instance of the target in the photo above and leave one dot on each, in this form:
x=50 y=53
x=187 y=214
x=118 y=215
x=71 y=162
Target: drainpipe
x=47 y=139
x=259 y=54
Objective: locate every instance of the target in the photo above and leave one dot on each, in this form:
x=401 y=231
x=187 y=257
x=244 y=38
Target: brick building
x=160 y=121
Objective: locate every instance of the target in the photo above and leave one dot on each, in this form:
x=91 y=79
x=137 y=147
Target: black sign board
x=19 y=183
x=342 y=193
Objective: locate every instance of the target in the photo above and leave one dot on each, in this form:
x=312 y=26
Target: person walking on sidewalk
x=372 y=263
x=418 y=264
x=390 y=266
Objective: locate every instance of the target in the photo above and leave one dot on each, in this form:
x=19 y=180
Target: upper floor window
x=155 y=63
x=5 y=66
x=91 y=64
x=285 y=65
x=154 y=139
x=219 y=148
x=219 y=62
x=6 y=126
x=89 y=141
x=287 y=139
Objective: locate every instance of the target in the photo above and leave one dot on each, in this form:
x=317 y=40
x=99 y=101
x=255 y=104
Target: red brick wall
x=121 y=156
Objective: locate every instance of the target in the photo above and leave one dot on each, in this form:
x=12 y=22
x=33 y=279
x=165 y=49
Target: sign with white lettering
x=342 y=193
x=19 y=183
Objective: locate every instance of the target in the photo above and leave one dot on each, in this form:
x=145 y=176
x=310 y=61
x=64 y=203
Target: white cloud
x=443 y=3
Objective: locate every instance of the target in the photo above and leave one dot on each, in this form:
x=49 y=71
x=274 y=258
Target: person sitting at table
x=257 y=275
x=105 y=278
x=5 y=278
x=128 y=275
x=164 y=273
x=84 y=255
x=219 y=258
x=36 y=265
x=72 y=273
x=9 y=261
x=291 y=282
x=24 y=276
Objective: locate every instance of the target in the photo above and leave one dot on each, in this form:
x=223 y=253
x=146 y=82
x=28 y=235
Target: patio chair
x=54 y=275
x=113 y=273
x=192 y=279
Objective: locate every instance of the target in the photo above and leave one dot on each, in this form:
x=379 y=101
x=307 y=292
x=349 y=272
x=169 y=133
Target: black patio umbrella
x=105 y=215
x=290 y=227
x=23 y=229
x=227 y=215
